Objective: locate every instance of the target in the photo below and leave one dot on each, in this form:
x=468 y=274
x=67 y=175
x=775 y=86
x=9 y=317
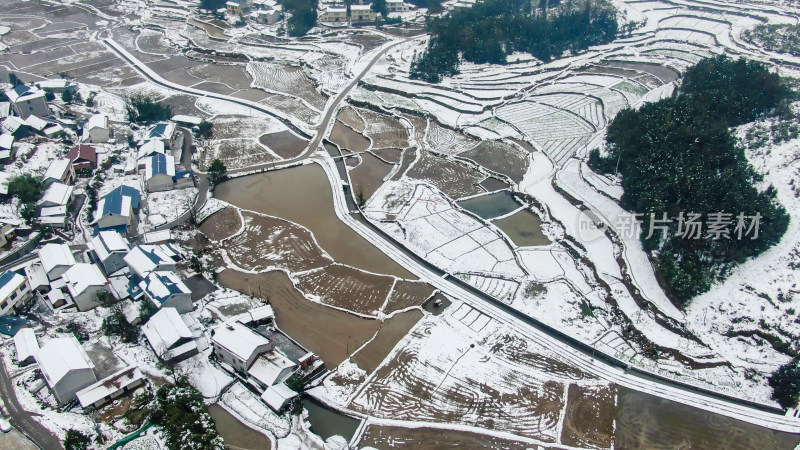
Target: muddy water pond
x=327 y=422
x=235 y=433
x=524 y=228
x=645 y=421
x=284 y=143
x=347 y=138
x=392 y=330
x=491 y=205
x=303 y=195
x=369 y=175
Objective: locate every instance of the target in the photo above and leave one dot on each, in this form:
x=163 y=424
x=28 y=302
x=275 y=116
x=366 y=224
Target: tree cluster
x=783 y=38
x=142 y=109
x=302 y=16
x=493 y=29
x=183 y=417
x=678 y=155
x=117 y=325
x=785 y=384
x=212 y=5
x=216 y=171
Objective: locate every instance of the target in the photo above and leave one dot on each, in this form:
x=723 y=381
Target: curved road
x=21 y=418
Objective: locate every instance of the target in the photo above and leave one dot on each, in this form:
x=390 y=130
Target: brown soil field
x=514 y=348
x=367 y=41
x=268 y=242
x=347 y=138
x=425 y=381
x=348 y=288
x=368 y=176
x=215 y=87
x=183 y=104
x=445 y=140
x=348 y=116
x=390 y=333
x=329 y=333
x=254 y=95
x=425 y=438
x=409 y=156
x=492 y=184
x=420 y=125
x=385 y=131
x=406 y=294
x=526 y=145
x=236 y=77
x=212 y=30
x=391 y=155
x=238 y=153
x=291 y=80
x=284 y=143
x=454 y=179
x=500 y=157
x=589 y=417
x=154 y=42
x=222 y=224
x=292 y=106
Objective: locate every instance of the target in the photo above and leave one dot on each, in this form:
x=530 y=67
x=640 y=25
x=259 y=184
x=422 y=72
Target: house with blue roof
x=28 y=100
x=117 y=210
x=159 y=172
x=14 y=292
x=164 y=132
x=166 y=290
x=146 y=258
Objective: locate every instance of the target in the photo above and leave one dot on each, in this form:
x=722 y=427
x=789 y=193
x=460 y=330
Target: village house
x=82 y=157
x=27 y=100
x=117 y=210
x=58 y=85
x=37 y=277
x=7 y=232
x=56 y=259
x=164 y=132
x=267 y=16
x=26 y=346
x=334 y=14
x=235 y=8
x=16 y=127
x=148 y=149
x=169 y=336
x=96 y=129
x=110 y=388
x=54 y=131
x=238 y=346
x=66 y=368
x=396 y=6
x=60 y=170
x=57 y=194
x=159 y=173
x=36 y=123
x=166 y=290
x=146 y=258
x=14 y=292
x=362 y=13
x=84 y=283
x=110 y=249
x=5 y=109
x=6 y=146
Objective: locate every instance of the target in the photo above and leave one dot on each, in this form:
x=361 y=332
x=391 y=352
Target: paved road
x=22 y=419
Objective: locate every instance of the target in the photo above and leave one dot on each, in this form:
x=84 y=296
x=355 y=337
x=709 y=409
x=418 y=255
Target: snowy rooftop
x=161 y=286
x=97 y=121
x=150 y=148
x=146 y=258
x=157 y=236
x=5 y=109
x=36 y=123
x=275 y=396
x=162 y=131
x=256 y=315
x=57 y=194
x=53 y=211
x=82 y=276
x=57 y=169
x=238 y=339
x=53 y=84
x=54 y=255
x=26 y=344
x=59 y=356
x=269 y=367
x=55 y=129
x=367 y=7
x=6 y=141
x=36 y=275
x=193 y=120
x=12 y=123
x=159 y=164
x=166 y=330
x=22 y=93
x=109 y=385
x=9 y=282
x=119 y=202
x=108 y=242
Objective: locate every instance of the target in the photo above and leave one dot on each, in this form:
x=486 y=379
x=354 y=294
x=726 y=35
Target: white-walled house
x=27 y=100
x=167 y=290
x=159 y=173
x=59 y=171
x=110 y=388
x=56 y=259
x=26 y=346
x=237 y=345
x=96 y=129
x=146 y=258
x=117 y=209
x=57 y=194
x=84 y=282
x=164 y=132
x=14 y=291
x=168 y=335
x=66 y=367
x=110 y=248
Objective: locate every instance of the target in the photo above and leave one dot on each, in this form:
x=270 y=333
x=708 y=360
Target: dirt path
x=22 y=419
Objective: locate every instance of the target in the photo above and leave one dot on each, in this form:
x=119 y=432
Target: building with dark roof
x=117 y=210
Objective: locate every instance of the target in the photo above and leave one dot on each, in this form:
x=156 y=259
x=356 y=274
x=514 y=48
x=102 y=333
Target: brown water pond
x=645 y=421
x=524 y=228
x=284 y=143
x=303 y=195
x=392 y=330
x=347 y=138
x=235 y=433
